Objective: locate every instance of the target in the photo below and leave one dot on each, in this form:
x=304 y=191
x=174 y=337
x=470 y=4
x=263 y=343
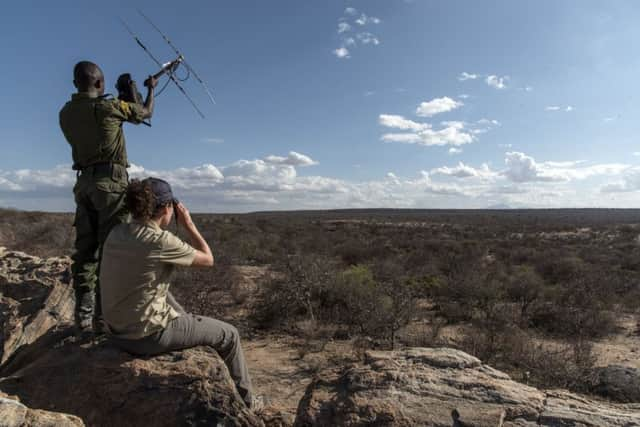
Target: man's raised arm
x=147 y=108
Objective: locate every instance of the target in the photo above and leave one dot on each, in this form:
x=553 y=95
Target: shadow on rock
x=105 y=386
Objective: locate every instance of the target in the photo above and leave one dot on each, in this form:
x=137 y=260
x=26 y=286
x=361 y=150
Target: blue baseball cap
x=161 y=191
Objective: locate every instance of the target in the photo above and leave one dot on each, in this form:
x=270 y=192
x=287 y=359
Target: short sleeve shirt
x=137 y=262
x=93 y=128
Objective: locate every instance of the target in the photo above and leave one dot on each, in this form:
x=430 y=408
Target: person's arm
x=203 y=257
x=147 y=108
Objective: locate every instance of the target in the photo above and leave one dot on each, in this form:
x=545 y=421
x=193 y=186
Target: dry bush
x=311 y=289
x=580 y=308
x=37 y=233
x=524 y=287
x=297 y=292
x=425 y=334
x=565 y=365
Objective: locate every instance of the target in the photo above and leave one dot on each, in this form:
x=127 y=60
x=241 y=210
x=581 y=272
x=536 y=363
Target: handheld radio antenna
x=163 y=67
x=175 y=49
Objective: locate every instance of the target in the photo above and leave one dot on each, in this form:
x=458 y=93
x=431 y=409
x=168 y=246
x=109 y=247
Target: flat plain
x=545 y=295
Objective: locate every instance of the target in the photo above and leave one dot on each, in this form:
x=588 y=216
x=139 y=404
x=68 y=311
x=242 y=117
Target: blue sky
x=339 y=104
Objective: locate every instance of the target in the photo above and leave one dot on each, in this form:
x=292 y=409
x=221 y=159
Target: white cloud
x=293 y=159
x=453 y=133
x=509 y=189
x=26 y=180
x=346 y=23
x=393 y=178
x=213 y=140
x=497 y=82
x=6 y=185
x=489 y=122
x=484 y=126
x=342 y=52
x=567 y=109
x=343 y=27
x=465 y=171
x=467 y=76
x=368 y=38
x=364 y=20
x=454 y=150
x=523 y=168
x=630 y=182
x=528 y=89
x=406 y=138
x=203 y=176
x=437 y=105
x=463 y=96
x=399 y=122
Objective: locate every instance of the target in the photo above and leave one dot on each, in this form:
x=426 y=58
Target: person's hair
x=140 y=200
x=85 y=74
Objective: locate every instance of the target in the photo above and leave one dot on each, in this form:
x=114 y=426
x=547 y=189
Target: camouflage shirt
x=93 y=128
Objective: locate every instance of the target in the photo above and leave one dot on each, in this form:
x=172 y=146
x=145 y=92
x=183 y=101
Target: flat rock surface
x=107 y=387
x=444 y=387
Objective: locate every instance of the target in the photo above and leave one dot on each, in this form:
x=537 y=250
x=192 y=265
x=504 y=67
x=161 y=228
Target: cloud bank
x=275 y=183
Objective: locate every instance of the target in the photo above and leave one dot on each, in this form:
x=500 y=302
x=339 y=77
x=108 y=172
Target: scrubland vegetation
x=526 y=291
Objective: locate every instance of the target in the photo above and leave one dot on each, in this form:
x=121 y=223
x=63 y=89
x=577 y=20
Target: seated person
x=141 y=315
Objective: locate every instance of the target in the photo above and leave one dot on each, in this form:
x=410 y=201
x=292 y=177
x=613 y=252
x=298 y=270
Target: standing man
x=92 y=124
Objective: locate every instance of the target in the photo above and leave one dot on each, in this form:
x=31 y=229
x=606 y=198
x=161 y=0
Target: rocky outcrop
x=107 y=387
x=444 y=387
x=15 y=414
x=35 y=295
x=45 y=367
x=620 y=383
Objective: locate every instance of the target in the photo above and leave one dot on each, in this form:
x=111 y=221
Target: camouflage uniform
x=93 y=128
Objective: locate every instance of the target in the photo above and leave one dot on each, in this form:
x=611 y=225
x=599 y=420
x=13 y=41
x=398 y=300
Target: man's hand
x=147 y=108
x=151 y=82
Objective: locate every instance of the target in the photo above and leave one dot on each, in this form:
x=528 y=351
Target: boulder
x=105 y=386
x=35 y=295
x=568 y=409
x=15 y=414
x=443 y=387
x=418 y=386
x=620 y=383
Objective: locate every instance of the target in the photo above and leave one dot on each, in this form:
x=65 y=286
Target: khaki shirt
x=137 y=263
x=93 y=128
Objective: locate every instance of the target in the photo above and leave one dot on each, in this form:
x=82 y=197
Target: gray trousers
x=190 y=330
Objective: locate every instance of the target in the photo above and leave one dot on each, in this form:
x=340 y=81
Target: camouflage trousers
x=99 y=194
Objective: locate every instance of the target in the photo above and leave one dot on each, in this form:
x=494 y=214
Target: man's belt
x=103 y=167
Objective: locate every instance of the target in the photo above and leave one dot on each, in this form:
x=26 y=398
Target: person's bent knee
x=232 y=331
